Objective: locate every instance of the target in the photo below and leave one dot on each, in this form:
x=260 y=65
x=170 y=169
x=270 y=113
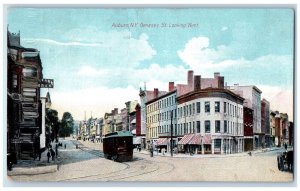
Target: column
x=222 y=149
x=212 y=146
x=202 y=149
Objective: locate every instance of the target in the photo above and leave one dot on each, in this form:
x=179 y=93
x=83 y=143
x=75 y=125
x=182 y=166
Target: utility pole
x=171 y=133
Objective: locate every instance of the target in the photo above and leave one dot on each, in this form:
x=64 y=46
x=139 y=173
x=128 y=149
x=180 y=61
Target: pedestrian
x=52 y=153
x=56 y=150
x=40 y=155
x=65 y=146
x=48 y=155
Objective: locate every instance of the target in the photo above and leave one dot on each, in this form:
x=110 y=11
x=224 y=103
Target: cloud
x=197 y=54
x=224 y=28
x=96 y=100
x=53 y=42
x=155 y=76
x=106 y=49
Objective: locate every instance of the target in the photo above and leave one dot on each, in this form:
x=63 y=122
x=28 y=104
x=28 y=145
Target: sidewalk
x=32 y=167
x=182 y=155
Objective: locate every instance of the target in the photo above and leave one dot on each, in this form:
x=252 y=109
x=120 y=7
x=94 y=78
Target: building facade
x=252 y=96
x=161 y=120
x=248 y=129
x=25 y=111
x=265 y=123
x=210 y=121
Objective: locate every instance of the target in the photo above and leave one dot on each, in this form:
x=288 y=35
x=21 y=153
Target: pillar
x=212 y=146
x=222 y=149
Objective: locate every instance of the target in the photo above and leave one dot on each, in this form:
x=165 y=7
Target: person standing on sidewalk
x=48 y=155
x=52 y=153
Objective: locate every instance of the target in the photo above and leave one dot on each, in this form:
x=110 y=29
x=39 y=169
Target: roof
x=160 y=97
x=119 y=134
x=208 y=92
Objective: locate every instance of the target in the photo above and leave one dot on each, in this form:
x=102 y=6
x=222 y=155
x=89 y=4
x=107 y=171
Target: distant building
x=248 y=129
x=252 y=96
x=265 y=123
x=272 y=128
x=291 y=133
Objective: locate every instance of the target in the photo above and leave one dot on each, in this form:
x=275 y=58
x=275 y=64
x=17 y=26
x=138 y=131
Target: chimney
x=197 y=82
x=190 y=77
x=221 y=82
x=216 y=74
x=155 y=92
x=171 y=86
x=116 y=111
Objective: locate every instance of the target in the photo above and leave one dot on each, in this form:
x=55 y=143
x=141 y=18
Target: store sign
x=46 y=83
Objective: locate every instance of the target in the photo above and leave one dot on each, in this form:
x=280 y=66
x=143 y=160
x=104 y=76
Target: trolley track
x=134 y=170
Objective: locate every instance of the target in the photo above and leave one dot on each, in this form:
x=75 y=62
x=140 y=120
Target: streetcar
x=118 y=146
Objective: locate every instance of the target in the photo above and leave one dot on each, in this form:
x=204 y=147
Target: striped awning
x=162 y=141
x=207 y=139
x=196 y=140
x=186 y=139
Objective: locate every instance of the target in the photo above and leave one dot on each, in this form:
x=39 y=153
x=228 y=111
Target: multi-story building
x=272 y=128
x=161 y=117
x=145 y=96
x=248 y=129
x=265 y=122
x=252 y=96
x=24 y=106
x=99 y=127
x=210 y=120
x=291 y=133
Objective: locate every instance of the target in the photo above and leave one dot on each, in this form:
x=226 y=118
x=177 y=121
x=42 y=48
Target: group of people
x=53 y=154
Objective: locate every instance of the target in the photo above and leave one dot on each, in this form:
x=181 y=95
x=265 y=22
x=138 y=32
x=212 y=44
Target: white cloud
x=109 y=49
x=198 y=55
x=224 y=28
x=53 y=42
x=96 y=100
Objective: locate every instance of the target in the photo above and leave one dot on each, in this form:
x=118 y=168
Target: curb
x=17 y=171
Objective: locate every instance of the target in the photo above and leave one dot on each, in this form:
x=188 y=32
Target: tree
x=66 y=126
x=52 y=124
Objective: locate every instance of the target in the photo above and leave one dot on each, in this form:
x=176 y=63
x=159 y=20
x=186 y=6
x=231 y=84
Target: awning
x=186 y=139
x=196 y=140
x=133 y=121
x=133 y=131
x=137 y=140
x=206 y=139
x=162 y=141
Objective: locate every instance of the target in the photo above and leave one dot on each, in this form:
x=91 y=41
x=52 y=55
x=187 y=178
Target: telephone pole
x=171 y=133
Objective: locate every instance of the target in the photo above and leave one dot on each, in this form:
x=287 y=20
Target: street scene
x=150 y=95
x=86 y=163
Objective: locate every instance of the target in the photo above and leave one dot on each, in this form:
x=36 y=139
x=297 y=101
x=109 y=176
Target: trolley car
x=118 y=146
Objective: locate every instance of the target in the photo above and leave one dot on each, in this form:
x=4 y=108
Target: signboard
x=46 y=83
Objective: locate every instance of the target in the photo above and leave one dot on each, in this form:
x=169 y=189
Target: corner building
x=210 y=121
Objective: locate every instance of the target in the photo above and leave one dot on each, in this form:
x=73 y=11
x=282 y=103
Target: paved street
x=87 y=164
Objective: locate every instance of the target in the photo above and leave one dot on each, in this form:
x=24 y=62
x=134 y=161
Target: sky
x=99 y=58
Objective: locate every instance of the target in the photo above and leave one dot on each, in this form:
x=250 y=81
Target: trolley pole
x=171 y=133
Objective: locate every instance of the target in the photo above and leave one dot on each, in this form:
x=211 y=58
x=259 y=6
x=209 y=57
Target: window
x=217 y=106
x=218 y=143
x=190 y=107
x=193 y=108
x=198 y=107
x=225 y=126
x=225 y=104
x=217 y=126
x=198 y=127
x=30 y=72
x=207 y=126
x=190 y=127
x=207 y=106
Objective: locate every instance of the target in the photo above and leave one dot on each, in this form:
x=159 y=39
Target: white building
x=210 y=121
x=252 y=100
